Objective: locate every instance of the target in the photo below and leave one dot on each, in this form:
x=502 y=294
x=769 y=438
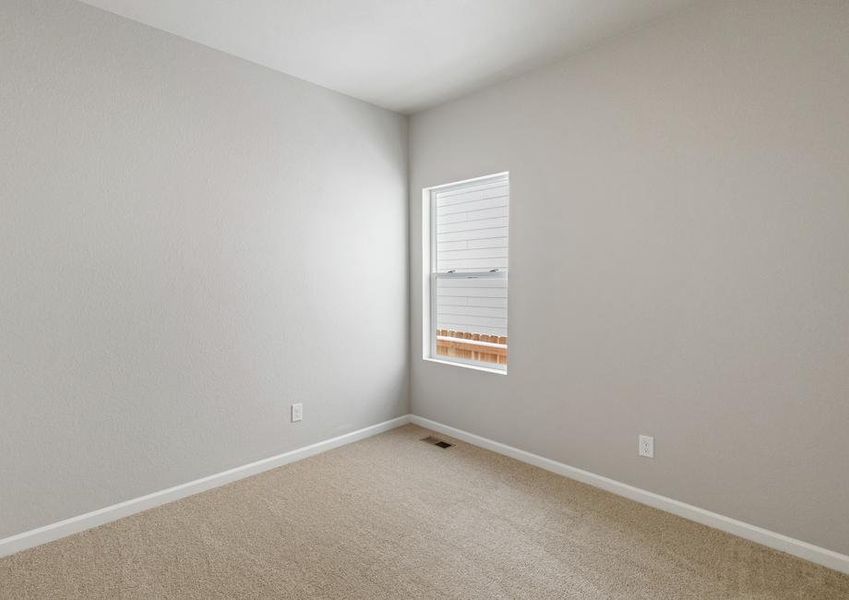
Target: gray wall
x=679 y=261
x=188 y=244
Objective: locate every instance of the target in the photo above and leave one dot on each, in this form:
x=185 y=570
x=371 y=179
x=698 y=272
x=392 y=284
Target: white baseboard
x=771 y=539
x=60 y=529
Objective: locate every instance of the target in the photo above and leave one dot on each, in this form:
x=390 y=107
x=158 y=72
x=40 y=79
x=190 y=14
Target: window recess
x=466 y=254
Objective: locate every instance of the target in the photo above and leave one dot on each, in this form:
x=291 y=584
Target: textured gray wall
x=188 y=244
x=679 y=261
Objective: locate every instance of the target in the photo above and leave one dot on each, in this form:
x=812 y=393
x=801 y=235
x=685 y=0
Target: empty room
x=424 y=299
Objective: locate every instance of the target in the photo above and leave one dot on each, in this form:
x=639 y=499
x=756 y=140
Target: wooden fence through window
x=472 y=346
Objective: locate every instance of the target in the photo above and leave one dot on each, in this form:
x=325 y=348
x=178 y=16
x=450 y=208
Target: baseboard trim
x=60 y=529
x=777 y=541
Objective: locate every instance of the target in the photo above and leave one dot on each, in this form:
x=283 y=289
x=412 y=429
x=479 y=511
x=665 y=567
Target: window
x=465 y=255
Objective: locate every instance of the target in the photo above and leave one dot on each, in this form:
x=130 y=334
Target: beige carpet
x=393 y=517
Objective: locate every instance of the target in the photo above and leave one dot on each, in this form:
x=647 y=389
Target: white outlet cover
x=297 y=412
x=646 y=446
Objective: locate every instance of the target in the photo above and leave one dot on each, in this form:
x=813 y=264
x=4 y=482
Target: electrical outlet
x=297 y=412
x=646 y=446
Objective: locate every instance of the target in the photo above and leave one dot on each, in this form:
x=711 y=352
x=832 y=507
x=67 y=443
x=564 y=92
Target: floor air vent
x=436 y=442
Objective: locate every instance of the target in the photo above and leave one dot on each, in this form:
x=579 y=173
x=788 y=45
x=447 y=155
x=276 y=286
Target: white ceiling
x=404 y=55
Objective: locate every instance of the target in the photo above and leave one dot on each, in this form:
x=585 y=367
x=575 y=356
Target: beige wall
x=679 y=261
x=188 y=244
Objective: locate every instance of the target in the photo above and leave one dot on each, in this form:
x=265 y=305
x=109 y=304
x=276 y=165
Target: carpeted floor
x=392 y=517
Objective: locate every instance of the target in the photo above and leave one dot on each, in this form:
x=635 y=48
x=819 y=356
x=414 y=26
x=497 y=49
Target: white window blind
x=469 y=252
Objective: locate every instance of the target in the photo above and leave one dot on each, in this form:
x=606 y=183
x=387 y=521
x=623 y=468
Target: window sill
x=466 y=366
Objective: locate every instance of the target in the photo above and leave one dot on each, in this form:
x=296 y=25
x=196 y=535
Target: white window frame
x=430 y=276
